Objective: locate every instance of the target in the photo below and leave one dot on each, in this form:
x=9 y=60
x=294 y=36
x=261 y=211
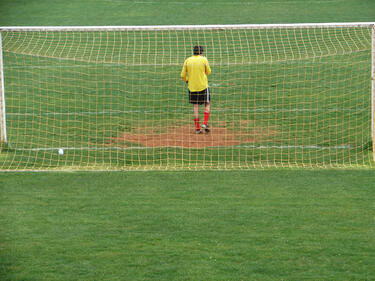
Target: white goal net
x=111 y=98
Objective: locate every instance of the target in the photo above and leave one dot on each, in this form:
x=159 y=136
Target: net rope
x=113 y=99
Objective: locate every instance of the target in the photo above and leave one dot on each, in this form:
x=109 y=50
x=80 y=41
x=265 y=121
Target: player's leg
x=206 y=113
x=207 y=109
x=196 y=118
x=193 y=99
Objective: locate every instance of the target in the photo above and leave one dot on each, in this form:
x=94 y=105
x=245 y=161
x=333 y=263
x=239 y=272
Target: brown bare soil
x=185 y=137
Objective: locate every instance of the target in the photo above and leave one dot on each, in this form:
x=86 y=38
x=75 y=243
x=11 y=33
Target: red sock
x=197 y=126
x=206 y=116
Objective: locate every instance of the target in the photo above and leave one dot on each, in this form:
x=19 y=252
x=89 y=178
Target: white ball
x=61 y=151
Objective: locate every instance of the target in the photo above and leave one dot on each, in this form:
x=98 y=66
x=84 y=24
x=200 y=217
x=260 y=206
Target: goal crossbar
x=185 y=27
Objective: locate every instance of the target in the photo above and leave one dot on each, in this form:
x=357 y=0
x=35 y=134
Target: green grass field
x=277 y=224
x=262 y=225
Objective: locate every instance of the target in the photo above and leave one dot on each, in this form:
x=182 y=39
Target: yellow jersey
x=195 y=71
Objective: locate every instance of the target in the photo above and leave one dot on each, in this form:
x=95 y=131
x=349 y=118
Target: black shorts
x=202 y=97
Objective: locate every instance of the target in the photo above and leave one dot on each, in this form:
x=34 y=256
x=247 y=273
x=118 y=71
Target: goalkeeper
x=194 y=72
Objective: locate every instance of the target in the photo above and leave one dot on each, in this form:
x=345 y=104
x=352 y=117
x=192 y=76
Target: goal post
x=373 y=90
x=111 y=97
x=3 y=131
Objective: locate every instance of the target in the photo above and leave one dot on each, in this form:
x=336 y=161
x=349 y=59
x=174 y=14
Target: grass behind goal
x=281 y=97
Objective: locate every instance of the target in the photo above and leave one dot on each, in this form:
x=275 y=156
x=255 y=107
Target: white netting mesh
x=293 y=96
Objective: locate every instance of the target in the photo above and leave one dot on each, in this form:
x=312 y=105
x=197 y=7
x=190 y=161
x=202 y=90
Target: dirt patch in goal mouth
x=185 y=137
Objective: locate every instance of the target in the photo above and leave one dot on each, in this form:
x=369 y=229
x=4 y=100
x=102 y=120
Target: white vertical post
x=373 y=90
x=3 y=126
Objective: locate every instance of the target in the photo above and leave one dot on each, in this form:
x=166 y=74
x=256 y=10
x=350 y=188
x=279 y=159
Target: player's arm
x=184 y=73
x=208 y=68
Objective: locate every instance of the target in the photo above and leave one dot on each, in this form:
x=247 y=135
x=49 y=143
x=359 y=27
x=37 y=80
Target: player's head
x=198 y=50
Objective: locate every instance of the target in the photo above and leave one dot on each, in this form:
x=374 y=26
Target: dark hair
x=198 y=50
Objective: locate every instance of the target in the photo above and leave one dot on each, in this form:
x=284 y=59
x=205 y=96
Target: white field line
x=317 y=147
x=256 y=110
